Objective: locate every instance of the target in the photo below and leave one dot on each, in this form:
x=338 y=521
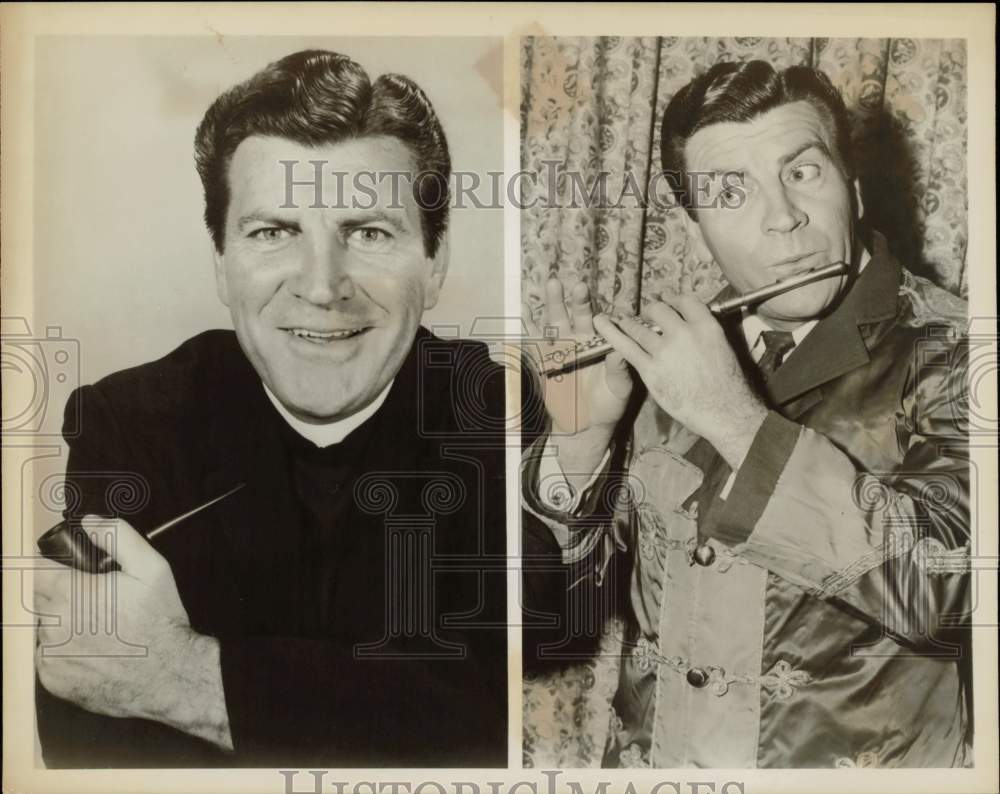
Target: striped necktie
x=776 y=345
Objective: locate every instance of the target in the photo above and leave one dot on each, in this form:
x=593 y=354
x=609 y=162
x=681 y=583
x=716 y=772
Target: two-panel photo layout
x=339 y=481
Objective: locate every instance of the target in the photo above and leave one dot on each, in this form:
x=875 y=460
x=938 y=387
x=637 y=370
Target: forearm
x=554 y=597
x=581 y=453
x=177 y=685
x=566 y=556
x=733 y=439
x=580 y=526
x=805 y=511
x=190 y=695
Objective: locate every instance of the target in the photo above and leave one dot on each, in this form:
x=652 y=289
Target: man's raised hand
x=691 y=372
x=586 y=404
x=593 y=396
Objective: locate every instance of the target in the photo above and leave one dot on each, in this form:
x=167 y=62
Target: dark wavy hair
x=317 y=97
x=738 y=92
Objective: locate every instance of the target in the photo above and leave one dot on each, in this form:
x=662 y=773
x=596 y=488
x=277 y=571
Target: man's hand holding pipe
x=136 y=655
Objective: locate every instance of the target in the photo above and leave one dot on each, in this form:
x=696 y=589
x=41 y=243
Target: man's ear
x=859 y=204
x=221 y=285
x=439 y=269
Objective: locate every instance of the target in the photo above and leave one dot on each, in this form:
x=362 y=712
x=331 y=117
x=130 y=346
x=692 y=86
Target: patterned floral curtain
x=592 y=106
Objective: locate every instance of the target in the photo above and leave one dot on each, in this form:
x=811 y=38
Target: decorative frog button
x=697 y=677
x=704 y=555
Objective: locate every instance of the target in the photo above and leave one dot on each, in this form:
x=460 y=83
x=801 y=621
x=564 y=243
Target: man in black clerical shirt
x=345 y=606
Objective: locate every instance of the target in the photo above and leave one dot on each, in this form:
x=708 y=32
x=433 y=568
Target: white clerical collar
x=754 y=326
x=331 y=432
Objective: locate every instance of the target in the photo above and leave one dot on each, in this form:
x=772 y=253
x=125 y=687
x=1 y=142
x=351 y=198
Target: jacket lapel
x=243 y=444
x=395 y=433
x=838 y=343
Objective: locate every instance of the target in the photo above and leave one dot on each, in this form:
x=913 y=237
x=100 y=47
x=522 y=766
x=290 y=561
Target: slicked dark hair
x=317 y=97
x=739 y=92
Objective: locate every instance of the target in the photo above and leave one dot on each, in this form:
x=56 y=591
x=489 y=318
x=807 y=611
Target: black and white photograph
x=747 y=514
x=283 y=485
x=481 y=398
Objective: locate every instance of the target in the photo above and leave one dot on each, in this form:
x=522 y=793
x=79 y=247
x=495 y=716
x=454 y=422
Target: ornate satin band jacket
x=812 y=617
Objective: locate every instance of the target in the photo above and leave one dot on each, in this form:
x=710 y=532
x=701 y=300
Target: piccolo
x=596 y=348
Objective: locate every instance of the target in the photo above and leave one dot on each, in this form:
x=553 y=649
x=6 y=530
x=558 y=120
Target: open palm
x=593 y=396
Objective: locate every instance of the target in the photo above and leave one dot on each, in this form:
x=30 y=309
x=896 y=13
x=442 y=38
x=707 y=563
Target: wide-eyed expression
x=778 y=204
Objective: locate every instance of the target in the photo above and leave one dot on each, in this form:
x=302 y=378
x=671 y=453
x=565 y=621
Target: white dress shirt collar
x=332 y=432
x=754 y=326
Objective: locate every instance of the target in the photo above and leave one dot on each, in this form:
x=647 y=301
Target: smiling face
x=788 y=207
x=325 y=301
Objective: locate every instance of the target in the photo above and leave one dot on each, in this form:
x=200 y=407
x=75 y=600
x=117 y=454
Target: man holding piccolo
x=774 y=505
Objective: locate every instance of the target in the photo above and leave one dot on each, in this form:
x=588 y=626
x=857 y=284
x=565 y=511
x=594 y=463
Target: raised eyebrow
x=805 y=147
x=715 y=173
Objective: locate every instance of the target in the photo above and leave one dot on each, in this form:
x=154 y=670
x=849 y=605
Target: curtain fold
x=591 y=110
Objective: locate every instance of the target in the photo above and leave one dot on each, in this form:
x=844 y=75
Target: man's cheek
x=740 y=273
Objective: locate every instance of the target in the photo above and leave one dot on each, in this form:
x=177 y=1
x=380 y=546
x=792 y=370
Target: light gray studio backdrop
x=123 y=262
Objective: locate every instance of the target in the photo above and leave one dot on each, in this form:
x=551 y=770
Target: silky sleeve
x=891 y=544
x=567 y=557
